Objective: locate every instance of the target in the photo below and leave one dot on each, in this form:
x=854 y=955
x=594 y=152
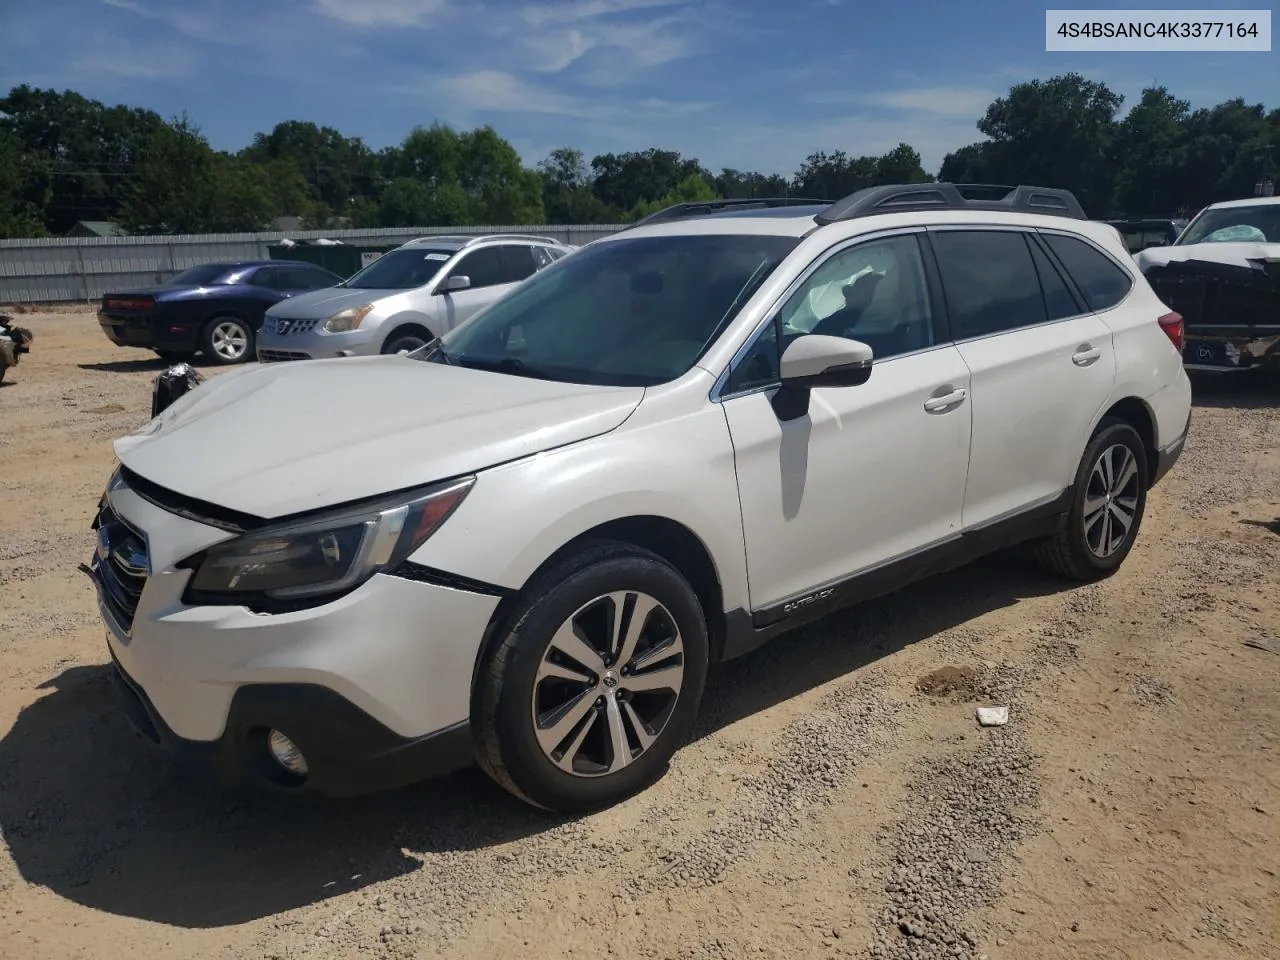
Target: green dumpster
x=342 y=259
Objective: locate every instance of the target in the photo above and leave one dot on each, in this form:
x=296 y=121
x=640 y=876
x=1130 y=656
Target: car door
x=869 y=474
x=483 y=267
x=1042 y=367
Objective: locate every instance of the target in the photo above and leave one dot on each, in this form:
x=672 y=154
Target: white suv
x=525 y=543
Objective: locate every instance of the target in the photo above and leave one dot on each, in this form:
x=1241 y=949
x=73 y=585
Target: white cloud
x=962 y=103
x=472 y=96
x=382 y=13
x=579 y=10
x=554 y=52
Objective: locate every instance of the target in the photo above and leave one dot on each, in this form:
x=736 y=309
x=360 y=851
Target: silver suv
x=405 y=298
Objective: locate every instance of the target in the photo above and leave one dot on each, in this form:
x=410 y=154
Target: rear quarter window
x=1100 y=279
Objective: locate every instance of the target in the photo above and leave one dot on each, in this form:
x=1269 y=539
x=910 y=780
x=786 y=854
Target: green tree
x=626 y=179
x=79 y=155
x=689 y=190
x=1147 y=151
x=338 y=170
x=19 y=217
x=1056 y=133
x=567 y=190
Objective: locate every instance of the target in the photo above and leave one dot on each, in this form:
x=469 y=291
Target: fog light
x=286 y=753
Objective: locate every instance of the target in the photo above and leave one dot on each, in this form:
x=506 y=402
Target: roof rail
x=467 y=239
x=897 y=198
x=513 y=236
x=699 y=208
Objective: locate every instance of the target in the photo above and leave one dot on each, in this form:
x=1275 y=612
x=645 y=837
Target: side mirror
x=456 y=282
x=815 y=360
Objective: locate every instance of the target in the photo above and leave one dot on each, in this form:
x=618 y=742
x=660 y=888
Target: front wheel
x=227 y=340
x=595 y=683
x=405 y=341
x=1108 y=500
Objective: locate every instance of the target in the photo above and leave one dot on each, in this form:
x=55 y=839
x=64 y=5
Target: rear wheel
x=1108 y=500
x=227 y=340
x=596 y=681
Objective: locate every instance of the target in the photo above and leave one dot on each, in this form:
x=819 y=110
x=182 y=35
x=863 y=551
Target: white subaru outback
x=524 y=542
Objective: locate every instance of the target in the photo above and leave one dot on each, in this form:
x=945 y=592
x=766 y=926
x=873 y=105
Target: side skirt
x=745 y=631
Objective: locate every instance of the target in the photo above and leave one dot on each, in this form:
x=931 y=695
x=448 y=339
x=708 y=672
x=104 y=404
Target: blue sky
x=752 y=84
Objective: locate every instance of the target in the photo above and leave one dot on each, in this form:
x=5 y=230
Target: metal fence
x=81 y=269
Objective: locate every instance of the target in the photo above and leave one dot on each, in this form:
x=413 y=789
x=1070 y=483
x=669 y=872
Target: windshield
x=203 y=276
x=1252 y=224
x=635 y=312
x=404 y=269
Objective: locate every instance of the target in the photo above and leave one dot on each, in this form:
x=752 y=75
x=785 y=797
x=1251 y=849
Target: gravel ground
x=838 y=798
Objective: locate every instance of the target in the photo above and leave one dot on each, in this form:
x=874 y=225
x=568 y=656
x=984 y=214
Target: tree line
x=65 y=158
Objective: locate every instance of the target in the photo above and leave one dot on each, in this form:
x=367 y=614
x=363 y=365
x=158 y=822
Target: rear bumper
x=1211 y=349
x=151 y=332
x=1167 y=456
x=348 y=752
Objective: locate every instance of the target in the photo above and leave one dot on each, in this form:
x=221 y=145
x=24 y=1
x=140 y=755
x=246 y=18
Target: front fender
x=519 y=514
x=404 y=318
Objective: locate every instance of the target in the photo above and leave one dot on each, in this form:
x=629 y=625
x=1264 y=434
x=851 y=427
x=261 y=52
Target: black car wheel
x=594 y=682
x=226 y=340
x=1108 y=499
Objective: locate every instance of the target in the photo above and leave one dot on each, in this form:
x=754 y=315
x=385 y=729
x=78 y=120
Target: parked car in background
x=1138 y=234
x=1223 y=275
x=405 y=298
x=215 y=309
x=525 y=543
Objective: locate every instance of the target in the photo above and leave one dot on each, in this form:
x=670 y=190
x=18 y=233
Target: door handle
x=944 y=401
x=1085 y=354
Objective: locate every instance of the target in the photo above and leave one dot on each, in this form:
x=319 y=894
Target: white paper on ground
x=993 y=716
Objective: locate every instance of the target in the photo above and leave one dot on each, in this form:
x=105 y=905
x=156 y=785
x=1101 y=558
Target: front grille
x=274 y=356
x=120 y=567
x=289 y=327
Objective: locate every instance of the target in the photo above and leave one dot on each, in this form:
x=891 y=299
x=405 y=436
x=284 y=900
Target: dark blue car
x=215 y=309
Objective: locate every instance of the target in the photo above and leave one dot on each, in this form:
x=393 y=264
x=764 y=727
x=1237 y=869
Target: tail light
x=1175 y=329
x=130 y=303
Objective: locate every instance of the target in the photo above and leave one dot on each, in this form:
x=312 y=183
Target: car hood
x=322 y=304
x=1248 y=255
x=283 y=438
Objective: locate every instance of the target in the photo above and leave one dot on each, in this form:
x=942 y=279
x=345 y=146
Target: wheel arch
x=671 y=540
x=1138 y=415
x=404 y=324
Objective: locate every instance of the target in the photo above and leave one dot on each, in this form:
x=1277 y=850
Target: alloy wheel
x=608 y=683
x=1111 y=500
x=230 y=340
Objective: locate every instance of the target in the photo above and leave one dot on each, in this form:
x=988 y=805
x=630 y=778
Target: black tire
x=407 y=339
x=211 y=339
x=1070 y=551
x=506 y=745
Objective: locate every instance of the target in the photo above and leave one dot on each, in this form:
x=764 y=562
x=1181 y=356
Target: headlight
x=307 y=562
x=347 y=320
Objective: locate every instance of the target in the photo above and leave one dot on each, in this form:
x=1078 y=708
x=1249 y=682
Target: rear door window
x=518 y=262
x=1058 y=298
x=1100 y=279
x=990 y=281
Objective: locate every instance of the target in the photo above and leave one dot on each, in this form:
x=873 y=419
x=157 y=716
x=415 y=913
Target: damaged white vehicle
x=526 y=542
x=1223 y=276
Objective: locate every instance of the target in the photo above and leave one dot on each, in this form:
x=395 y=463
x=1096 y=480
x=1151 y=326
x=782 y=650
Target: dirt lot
x=838 y=800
